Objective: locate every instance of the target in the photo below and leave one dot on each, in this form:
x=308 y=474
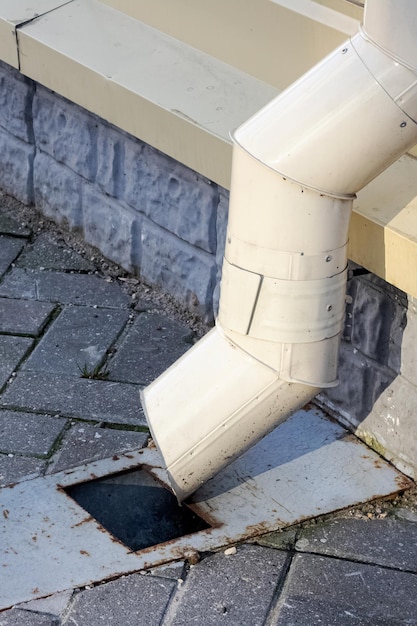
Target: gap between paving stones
x=42 y=329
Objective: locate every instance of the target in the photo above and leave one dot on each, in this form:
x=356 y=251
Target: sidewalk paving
x=60 y=318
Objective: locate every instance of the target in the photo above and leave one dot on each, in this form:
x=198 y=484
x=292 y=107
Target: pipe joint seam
x=392 y=26
x=288 y=265
x=313 y=132
x=396 y=79
x=284 y=311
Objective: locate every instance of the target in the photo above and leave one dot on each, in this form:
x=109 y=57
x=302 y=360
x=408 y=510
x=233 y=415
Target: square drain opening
x=136 y=509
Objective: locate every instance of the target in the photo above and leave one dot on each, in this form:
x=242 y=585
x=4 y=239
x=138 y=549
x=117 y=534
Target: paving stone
x=131 y=600
x=55 y=605
x=175 y=571
x=332 y=592
x=99 y=400
x=236 y=589
x=85 y=443
x=77 y=339
x=49 y=254
x=10 y=226
x=12 y=351
x=16 y=617
x=152 y=344
x=78 y=289
x=387 y=542
x=284 y=540
x=9 y=249
x=15 y=468
x=24 y=317
x=27 y=433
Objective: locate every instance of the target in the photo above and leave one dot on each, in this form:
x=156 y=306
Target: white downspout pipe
x=297 y=165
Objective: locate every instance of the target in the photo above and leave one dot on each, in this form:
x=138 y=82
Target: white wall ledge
x=173 y=96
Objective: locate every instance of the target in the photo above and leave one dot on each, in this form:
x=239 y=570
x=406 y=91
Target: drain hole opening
x=136 y=509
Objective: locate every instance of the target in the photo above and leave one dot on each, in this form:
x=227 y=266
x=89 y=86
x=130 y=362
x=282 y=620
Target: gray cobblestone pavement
x=78 y=339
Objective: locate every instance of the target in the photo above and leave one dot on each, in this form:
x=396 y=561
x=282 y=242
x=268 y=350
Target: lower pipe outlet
x=211 y=405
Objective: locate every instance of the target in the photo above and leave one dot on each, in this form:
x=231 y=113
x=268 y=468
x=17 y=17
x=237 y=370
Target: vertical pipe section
x=297 y=165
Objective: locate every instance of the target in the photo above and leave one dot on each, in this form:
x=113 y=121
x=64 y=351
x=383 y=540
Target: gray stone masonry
x=139 y=207
x=166 y=224
x=354 y=567
x=16 y=165
x=377 y=393
x=16 y=95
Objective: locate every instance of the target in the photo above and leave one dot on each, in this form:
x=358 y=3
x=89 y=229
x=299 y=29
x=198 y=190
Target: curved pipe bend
x=297 y=165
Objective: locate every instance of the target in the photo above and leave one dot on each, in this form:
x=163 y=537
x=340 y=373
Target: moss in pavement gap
x=58 y=441
x=127 y=427
x=109 y=425
x=99 y=372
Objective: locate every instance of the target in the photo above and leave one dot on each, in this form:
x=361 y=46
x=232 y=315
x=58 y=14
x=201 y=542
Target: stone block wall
x=139 y=207
x=164 y=222
x=17 y=149
x=377 y=393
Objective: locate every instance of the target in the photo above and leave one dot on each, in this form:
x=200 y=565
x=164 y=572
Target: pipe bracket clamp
x=284 y=311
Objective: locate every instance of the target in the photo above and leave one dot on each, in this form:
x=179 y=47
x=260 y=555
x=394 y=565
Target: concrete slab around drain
x=306 y=467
